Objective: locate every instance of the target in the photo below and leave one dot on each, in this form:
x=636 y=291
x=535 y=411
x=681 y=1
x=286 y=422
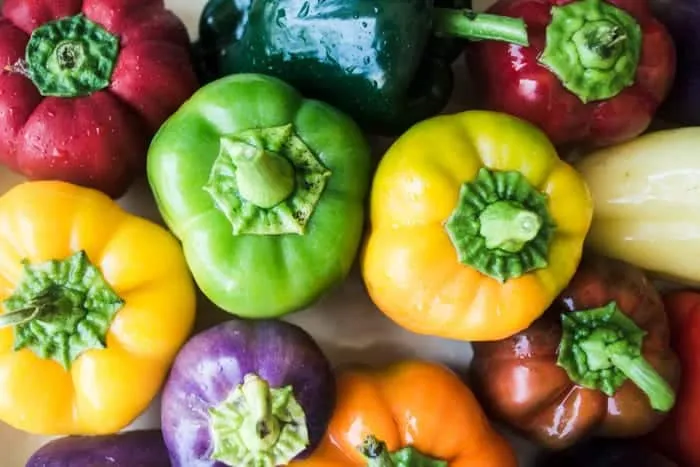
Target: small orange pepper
x=411 y=413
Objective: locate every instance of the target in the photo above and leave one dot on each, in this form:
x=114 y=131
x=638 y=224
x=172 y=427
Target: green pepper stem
x=264 y=178
x=41 y=304
x=71 y=57
x=593 y=47
x=377 y=455
x=508 y=226
x=601 y=348
x=468 y=24
x=661 y=395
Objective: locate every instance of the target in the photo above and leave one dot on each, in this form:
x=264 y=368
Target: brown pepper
x=598 y=362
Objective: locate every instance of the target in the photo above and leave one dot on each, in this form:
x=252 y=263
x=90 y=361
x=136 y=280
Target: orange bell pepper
x=405 y=414
x=96 y=302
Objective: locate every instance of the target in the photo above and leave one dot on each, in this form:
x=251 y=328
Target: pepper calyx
x=601 y=349
x=61 y=309
x=70 y=57
x=267 y=181
x=258 y=425
x=593 y=47
x=377 y=455
x=501 y=225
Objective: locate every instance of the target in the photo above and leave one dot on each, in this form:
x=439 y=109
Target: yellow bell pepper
x=647 y=203
x=476 y=226
x=96 y=303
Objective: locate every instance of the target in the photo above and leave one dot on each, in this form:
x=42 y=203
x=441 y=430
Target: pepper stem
x=375 y=452
x=637 y=369
x=258 y=425
x=501 y=225
x=601 y=348
x=593 y=47
x=264 y=178
x=61 y=308
x=70 y=57
x=468 y=24
x=40 y=305
x=261 y=430
x=508 y=226
x=377 y=455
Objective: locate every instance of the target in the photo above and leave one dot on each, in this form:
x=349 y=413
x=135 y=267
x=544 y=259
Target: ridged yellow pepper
x=646 y=195
x=96 y=302
x=476 y=226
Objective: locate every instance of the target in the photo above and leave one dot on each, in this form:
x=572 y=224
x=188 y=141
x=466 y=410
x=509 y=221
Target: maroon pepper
x=594 y=73
x=85 y=84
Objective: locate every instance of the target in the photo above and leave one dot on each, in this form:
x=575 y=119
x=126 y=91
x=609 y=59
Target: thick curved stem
x=601 y=348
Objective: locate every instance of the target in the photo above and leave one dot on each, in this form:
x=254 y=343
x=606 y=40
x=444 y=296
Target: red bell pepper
x=678 y=437
x=85 y=85
x=594 y=73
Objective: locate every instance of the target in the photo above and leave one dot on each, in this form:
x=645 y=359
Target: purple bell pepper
x=247 y=393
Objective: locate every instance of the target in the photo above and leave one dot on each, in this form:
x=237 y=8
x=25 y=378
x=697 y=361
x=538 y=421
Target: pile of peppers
x=473 y=226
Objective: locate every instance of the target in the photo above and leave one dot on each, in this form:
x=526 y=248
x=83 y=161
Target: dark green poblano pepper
x=386 y=63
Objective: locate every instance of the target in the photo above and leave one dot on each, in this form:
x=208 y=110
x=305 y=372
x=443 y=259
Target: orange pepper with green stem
x=411 y=414
x=96 y=302
x=476 y=226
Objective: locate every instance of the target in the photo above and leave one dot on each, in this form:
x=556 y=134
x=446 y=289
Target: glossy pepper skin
x=646 y=204
x=95 y=304
x=86 y=84
x=412 y=413
x=598 y=363
x=678 y=434
x=386 y=63
x=476 y=226
x=625 y=67
x=265 y=189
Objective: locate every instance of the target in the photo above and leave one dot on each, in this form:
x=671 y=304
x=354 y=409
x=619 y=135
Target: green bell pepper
x=386 y=63
x=265 y=190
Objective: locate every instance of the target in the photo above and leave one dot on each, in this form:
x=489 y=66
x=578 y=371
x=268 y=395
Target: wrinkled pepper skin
x=140 y=448
x=406 y=413
x=679 y=433
x=569 y=376
x=606 y=453
x=266 y=191
x=476 y=226
x=635 y=63
x=385 y=63
x=95 y=304
x=65 y=118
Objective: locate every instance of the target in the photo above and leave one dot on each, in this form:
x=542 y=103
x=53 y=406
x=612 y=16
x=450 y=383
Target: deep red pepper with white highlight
x=594 y=73
x=85 y=84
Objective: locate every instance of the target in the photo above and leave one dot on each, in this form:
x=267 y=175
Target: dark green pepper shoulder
x=385 y=63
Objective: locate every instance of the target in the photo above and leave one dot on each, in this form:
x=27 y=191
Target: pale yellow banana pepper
x=647 y=203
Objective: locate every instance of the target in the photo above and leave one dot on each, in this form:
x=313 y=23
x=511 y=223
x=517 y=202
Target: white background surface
x=346 y=324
